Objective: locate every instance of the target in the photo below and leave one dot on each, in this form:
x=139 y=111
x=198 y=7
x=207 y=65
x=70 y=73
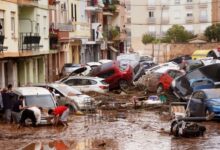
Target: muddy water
x=109 y=130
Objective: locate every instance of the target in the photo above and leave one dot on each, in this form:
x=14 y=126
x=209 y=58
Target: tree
x=213 y=32
x=147 y=38
x=177 y=34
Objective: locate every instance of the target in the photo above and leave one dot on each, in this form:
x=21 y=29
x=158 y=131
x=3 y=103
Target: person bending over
x=60 y=114
x=32 y=113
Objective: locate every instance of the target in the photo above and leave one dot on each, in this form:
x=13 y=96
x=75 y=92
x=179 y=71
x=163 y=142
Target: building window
x=75 y=12
x=203 y=15
x=189 y=1
x=151 y=14
x=2 y=22
x=12 y=24
x=152 y=30
x=45 y=26
x=37 y=27
x=177 y=14
x=177 y=1
x=189 y=28
x=189 y=14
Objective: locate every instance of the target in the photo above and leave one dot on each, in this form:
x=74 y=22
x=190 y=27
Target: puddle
x=88 y=144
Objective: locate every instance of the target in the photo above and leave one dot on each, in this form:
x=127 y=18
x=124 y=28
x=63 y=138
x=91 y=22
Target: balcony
x=112 y=33
x=151 y=7
x=203 y=19
x=189 y=19
x=203 y=5
x=2 y=47
x=68 y=27
x=81 y=30
x=94 y=6
x=151 y=20
x=29 y=41
x=33 y=3
x=189 y=6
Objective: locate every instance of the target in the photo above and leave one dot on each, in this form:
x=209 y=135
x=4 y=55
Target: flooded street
x=109 y=130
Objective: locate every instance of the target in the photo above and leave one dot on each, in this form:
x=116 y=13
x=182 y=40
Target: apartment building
x=114 y=28
x=159 y=15
x=8 y=42
x=24 y=41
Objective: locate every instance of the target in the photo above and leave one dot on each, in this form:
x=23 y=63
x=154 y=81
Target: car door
x=84 y=85
x=197 y=105
x=167 y=78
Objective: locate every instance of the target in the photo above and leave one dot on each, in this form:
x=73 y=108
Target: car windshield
x=67 y=90
x=44 y=101
x=213 y=94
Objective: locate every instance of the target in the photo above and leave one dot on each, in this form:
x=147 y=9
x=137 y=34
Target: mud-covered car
x=204 y=103
x=181 y=85
x=37 y=96
x=117 y=75
x=68 y=95
x=161 y=81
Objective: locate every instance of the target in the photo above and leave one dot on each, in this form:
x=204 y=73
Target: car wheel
x=124 y=86
x=159 y=89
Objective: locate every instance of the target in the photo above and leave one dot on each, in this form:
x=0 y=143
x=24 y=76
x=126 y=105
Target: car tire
x=124 y=85
x=160 y=89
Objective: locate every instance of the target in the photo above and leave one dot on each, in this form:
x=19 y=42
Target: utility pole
x=159 y=42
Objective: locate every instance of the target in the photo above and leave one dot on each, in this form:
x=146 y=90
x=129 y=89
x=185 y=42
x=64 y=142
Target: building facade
x=160 y=15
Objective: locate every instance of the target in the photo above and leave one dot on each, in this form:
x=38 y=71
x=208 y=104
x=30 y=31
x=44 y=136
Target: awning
x=113 y=49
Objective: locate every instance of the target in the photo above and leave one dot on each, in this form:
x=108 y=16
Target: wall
x=168 y=51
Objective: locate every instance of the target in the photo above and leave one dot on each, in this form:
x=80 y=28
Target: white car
x=86 y=84
x=37 y=96
x=170 y=65
x=68 y=95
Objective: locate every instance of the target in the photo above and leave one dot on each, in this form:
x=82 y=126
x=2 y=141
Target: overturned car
x=202 y=77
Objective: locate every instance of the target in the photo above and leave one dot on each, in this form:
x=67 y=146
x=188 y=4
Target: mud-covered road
x=109 y=130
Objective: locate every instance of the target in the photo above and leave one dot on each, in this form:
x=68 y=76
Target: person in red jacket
x=61 y=114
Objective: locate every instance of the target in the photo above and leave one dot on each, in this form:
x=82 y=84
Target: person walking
x=60 y=114
x=17 y=109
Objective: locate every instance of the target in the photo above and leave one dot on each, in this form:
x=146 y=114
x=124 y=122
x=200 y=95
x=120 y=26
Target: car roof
x=25 y=91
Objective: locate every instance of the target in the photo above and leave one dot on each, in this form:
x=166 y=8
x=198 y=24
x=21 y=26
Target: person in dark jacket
x=8 y=99
x=17 y=108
